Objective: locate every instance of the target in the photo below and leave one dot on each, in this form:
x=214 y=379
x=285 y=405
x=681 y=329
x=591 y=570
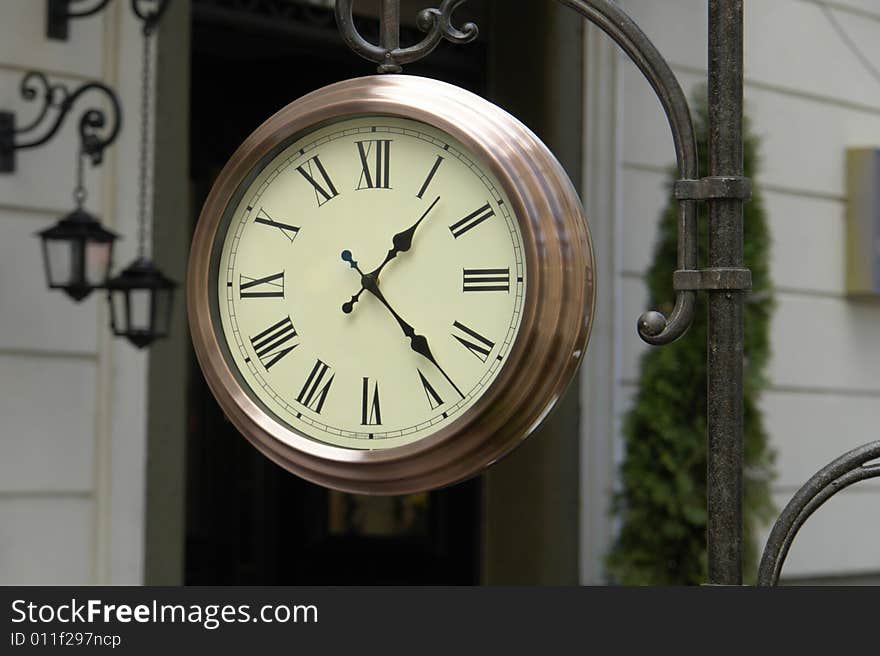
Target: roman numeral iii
x=471 y=221
x=316 y=175
x=312 y=395
x=275 y=342
x=375 y=164
x=485 y=280
x=473 y=341
x=269 y=287
x=289 y=231
x=371 y=413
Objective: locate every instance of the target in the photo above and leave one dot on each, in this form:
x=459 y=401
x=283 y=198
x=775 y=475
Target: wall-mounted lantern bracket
x=57 y=99
x=59 y=13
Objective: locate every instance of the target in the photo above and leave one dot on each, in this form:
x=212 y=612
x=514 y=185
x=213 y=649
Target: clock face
x=371 y=282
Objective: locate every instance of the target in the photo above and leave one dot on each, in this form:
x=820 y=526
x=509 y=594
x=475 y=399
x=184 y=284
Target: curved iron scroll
x=437 y=23
x=60 y=12
x=58 y=98
x=653 y=327
x=847 y=470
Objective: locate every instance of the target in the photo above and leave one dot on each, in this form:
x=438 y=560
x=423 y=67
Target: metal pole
x=725 y=330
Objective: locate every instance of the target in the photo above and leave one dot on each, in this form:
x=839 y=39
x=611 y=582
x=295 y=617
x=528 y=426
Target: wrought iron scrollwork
x=437 y=23
x=850 y=468
x=95 y=132
x=653 y=327
x=60 y=12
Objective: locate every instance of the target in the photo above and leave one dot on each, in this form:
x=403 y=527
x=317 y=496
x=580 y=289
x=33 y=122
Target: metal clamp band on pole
x=719 y=279
x=714 y=188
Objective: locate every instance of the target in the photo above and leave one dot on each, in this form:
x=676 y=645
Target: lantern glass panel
x=139 y=318
x=60 y=261
x=97 y=258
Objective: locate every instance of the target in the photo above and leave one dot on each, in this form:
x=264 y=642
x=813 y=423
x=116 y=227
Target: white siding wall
x=809 y=99
x=71 y=398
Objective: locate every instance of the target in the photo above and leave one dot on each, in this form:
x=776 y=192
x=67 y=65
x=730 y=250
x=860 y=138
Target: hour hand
x=400 y=243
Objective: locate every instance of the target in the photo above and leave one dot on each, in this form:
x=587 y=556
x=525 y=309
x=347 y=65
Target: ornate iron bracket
x=437 y=23
x=850 y=468
x=59 y=13
x=653 y=327
x=59 y=98
x=725 y=275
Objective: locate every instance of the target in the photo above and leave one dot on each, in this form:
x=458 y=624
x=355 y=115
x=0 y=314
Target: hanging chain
x=79 y=191
x=145 y=197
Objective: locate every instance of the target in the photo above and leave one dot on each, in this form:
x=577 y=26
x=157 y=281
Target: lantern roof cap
x=140 y=274
x=79 y=224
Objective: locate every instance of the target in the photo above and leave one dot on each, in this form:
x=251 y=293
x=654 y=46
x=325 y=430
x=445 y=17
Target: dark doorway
x=247 y=520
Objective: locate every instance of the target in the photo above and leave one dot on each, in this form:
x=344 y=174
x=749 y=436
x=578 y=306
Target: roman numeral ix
x=471 y=221
x=311 y=170
x=275 y=342
x=269 y=287
x=371 y=413
x=375 y=168
x=312 y=395
x=289 y=231
x=480 y=348
x=485 y=280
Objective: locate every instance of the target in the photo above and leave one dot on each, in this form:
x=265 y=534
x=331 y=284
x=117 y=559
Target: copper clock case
x=557 y=309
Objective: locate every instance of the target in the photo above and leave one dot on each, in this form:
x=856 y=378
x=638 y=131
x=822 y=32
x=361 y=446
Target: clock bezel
x=557 y=309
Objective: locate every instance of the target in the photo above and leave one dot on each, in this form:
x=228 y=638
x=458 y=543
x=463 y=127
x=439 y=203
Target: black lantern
x=141 y=297
x=140 y=303
x=77 y=254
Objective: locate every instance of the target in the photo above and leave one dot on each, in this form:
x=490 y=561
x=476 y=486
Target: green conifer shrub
x=661 y=504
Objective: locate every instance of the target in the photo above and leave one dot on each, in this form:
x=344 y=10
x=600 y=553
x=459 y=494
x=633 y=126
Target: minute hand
x=418 y=343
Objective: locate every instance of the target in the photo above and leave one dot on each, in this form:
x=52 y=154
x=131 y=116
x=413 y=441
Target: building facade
x=97 y=454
